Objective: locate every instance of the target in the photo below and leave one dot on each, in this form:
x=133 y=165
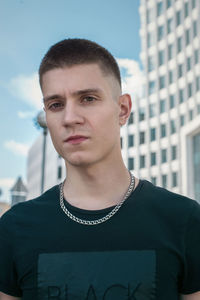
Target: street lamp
x=41 y=119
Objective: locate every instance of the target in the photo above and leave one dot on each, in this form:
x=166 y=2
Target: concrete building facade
x=54 y=171
x=161 y=141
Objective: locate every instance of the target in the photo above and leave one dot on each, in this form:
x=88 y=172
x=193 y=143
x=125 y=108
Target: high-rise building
x=162 y=140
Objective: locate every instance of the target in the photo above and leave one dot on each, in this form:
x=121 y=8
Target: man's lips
x=76 y=139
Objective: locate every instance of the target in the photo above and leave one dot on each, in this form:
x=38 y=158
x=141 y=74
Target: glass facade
x=130 y=163
x=131 y=140
x=196 y=162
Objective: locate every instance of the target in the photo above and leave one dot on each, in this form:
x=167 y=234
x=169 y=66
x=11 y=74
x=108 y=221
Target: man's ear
x=125 y=105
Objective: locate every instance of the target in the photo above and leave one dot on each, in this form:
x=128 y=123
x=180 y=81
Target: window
x=189 y=90
x=174 y=152
x=149 y=16
x=174 y=179
x=169 y=25
x=153 y=134
x=152 y=110
x=198 y=108
x=194 y=28
x=171 y=76
x=164 y=180
x=178 y=18
x=153 y=158
x=59 y=175
x=142 y=137
x=186 y=9
x=163 y=130
x=169 y=3
x=191 y=114
x=187 y=37
x=180 y=70
x=150 y=39
x=162 y=106
x=152 y=87
x=161 y=82
x=151 y=64
x=131 y=118
x=170 y=51
x=141 y=114
x=160 y=32
x=182 y=120
x=164 y=155
x=131 y=140
x=181 y=95
x=193 y=3
x=159 y=8
x=196 y=56
x=161 y=58
x=173 y=126
x=142 y=161
x=189 y=63
x=130 y=163
x=198 y=83
x=154 y=180
x=172 y=101
x=179 y=44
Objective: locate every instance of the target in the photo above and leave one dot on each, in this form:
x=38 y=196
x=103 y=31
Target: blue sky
x=27 y=29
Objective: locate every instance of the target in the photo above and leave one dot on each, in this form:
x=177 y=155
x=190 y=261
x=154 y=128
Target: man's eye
x=89 y=99
x=55 y=105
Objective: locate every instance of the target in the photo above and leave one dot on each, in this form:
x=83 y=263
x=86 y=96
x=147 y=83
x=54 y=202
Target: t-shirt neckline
x=78 y=210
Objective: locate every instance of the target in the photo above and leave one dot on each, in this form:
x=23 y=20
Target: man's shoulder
x=32 y=205
x=168 y=200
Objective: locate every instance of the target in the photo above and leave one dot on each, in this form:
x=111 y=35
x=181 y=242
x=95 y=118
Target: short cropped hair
x=69 y=52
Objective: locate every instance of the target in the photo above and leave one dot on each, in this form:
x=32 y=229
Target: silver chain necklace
x=101 y=220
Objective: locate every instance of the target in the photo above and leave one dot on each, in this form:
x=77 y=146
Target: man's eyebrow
x=87 y=91
x=51 y=97
x=76 y=93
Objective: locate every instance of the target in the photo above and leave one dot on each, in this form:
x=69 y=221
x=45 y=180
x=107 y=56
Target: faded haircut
x=70 y=52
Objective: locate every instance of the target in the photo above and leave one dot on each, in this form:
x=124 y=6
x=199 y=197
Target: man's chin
x=78 y=162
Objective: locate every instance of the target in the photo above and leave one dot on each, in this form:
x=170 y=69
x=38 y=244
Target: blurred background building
x=161 y=142
x=18 y=192
x=54 y=168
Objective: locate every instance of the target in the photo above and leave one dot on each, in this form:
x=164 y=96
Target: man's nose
x=72 y=115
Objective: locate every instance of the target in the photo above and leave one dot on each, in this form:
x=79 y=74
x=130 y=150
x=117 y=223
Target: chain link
x=101 y=220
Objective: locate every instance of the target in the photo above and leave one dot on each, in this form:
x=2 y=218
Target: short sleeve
x=191 y=277
x=8 y=274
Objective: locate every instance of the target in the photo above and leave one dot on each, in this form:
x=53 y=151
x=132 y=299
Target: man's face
x=82 y=113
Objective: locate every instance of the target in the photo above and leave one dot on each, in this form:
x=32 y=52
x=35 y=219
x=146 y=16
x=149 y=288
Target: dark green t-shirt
x=150 y=249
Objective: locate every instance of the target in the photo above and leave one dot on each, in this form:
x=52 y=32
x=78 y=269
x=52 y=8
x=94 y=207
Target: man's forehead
x=81 y=76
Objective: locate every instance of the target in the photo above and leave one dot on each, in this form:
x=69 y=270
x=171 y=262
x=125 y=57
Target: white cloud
x=26 y=114
x=133 y=78
x=17 y=148
x=27 y=89
x=7 y=182
x=5 y=185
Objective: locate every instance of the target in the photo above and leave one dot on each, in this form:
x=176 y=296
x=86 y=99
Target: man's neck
x=96 y=188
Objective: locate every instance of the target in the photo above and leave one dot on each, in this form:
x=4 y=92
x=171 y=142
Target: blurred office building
x=162 y=140
x=52 y=170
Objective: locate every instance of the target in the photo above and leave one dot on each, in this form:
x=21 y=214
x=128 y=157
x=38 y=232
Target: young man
x=102 y=234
